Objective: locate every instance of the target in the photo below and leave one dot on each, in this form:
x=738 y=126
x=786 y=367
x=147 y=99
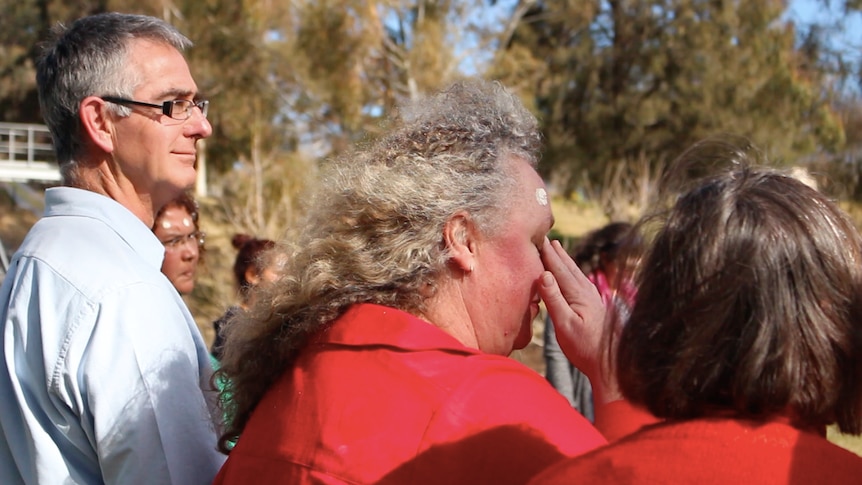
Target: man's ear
x=461 y=238
x=96 y=122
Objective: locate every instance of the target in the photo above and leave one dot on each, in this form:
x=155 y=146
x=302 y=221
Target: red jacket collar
x=369 y=324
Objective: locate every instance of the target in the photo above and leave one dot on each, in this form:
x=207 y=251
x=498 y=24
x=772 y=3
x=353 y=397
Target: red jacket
x=386 y=397
x=712 y=451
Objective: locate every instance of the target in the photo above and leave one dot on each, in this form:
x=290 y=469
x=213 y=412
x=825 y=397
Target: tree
x=23 y=26
x=622 y=80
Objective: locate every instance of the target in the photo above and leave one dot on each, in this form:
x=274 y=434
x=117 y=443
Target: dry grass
x=574 y=219
x=14 y=224
x=852 y=443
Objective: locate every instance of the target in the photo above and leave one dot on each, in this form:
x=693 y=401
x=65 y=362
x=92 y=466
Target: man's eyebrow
x=177 y=94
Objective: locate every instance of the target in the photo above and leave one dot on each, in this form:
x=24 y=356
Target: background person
x=599 y=255
x=380 y=354
x=250 y=268
x=104 y=373
x=745 y=338
x=177 y=228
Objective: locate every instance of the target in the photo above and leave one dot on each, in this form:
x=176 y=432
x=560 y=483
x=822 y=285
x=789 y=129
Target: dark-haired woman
x=746 y=338
x=251 y=267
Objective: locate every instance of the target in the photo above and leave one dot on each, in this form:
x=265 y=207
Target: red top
x=712 y=451
x=383 y=395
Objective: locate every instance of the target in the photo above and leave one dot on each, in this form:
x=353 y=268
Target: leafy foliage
x=616 y=82
x=621 y=80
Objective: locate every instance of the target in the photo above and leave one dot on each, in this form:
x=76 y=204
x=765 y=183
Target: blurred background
x=621 y=88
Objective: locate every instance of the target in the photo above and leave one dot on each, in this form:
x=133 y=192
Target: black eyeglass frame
x=167 y=107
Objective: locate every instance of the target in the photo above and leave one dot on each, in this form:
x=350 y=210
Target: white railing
x=27 y=153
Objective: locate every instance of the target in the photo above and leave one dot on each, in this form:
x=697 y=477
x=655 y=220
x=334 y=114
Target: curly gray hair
x=374 y=230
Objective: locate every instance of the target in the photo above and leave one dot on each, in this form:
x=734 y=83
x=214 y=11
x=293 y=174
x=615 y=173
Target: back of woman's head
x=249 y=257
x=608 y=243
x=374 y=228
x=373 y=231
x=749 y=304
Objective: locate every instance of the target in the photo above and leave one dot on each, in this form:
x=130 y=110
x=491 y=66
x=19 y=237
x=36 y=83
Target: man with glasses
x=104 y=375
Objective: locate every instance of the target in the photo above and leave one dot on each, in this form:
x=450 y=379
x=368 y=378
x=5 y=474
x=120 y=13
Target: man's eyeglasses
x=178 y=109
x=175 y=243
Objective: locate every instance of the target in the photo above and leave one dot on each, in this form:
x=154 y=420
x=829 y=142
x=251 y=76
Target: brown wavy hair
x=749 y=304
x=250 y=251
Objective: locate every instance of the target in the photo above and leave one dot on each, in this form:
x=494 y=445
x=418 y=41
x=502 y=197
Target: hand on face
x=586 y=335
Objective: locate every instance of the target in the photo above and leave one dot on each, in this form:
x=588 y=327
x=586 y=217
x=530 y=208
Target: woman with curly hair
x=380 y=354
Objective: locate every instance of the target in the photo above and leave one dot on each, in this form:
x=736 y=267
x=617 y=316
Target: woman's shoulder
x=713 y=451
x=499 y=391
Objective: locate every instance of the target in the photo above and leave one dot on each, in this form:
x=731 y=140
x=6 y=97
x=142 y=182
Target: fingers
x=577 y=291
x=578 y=321
x=576 y=309
x=558 y=308
x=554 y=257
x=570 y=278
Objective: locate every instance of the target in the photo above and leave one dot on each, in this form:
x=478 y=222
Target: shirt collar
x=369 y=324
x=70 y=201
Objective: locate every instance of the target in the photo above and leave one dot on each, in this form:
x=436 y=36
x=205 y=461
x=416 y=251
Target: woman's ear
x=96 y=123
x=252 y=276
x=461 y=239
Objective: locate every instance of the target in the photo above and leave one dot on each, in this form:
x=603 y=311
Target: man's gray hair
x=89 y=59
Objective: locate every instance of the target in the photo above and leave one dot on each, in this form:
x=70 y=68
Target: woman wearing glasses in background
x=177 y=228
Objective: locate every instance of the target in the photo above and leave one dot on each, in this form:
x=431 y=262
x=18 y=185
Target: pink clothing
x=626 y=292
x=712 y=451
x=384 y=397
x=599 y=279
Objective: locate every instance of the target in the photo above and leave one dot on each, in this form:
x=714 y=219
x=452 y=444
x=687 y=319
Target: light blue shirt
x=103 y=372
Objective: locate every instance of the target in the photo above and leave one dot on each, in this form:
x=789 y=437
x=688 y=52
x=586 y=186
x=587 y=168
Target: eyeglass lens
x=197 y=238
x=182 y=108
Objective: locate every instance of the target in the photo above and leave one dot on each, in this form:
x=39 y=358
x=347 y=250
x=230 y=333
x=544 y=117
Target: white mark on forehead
x=166 y=225
x=541 y=196
x=187 y=221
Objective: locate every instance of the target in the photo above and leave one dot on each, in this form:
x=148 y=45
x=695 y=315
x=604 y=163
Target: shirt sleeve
x=145 y=375
x=558 y=369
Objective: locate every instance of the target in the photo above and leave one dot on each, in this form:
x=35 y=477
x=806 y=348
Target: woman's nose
x=190 y=251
